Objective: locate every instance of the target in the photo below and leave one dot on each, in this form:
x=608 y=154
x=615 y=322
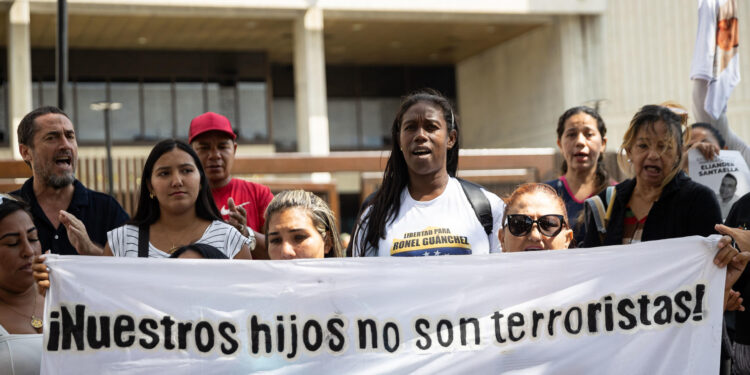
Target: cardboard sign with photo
x=726 y=174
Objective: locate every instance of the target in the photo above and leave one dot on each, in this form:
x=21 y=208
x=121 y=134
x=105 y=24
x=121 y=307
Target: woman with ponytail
x=581 y=137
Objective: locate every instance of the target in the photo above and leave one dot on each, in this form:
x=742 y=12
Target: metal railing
x=517 y=165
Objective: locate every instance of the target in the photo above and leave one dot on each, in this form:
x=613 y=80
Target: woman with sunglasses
x=21 y=308
x=421 y=209
x=660 y=201
x=535 y=219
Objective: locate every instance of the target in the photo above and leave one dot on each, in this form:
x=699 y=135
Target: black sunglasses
x=549 y=225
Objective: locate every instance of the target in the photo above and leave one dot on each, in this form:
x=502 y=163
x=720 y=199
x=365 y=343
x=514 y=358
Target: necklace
x=178 y=244
x=35 y=322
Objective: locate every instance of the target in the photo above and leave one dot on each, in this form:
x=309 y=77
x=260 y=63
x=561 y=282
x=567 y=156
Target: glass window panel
x=49 y=94
x=125 y=121
x=214 y=99
x=35 y=87
x=252 y=106
x=377 y=118
x=90 y=126
x=284 y=124
x=221 y=100
x=157 y=110
x=45 y=93
x=4 y=125
x=189 y=104
x=342 y=123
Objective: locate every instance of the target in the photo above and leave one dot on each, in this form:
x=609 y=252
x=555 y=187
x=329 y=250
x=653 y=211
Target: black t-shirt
x=739 y=216
x=99 y=212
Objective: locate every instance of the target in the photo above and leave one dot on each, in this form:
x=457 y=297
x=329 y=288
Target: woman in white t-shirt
x=421 y=209
x=175 y=208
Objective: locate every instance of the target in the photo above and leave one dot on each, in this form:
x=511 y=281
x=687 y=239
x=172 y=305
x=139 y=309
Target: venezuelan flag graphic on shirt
x=430 y=241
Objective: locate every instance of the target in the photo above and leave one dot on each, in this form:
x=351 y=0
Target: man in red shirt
x=241 y=203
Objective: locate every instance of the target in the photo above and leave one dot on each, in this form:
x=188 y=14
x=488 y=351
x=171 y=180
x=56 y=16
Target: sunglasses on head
x=520 y=225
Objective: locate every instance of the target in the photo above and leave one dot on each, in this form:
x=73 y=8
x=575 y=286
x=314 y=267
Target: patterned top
x=633 y=227
x=124 y=240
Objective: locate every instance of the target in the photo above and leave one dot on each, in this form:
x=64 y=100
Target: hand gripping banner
x=649 y=308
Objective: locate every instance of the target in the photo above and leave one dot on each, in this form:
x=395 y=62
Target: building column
x=19 y=68
x=310 y=83
x=582 y=56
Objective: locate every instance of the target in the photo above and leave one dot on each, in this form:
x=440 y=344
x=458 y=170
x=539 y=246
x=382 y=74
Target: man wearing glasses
x=69 y=218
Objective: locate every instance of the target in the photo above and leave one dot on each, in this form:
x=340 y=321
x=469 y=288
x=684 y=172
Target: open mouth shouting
x=64 y=160
x=652 y=170
x=421 y=152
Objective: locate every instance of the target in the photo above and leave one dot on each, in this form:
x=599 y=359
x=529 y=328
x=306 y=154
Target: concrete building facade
x=314 y=76
x=635 y=52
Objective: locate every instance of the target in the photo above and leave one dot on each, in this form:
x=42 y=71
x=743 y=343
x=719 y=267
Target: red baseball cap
x=207 y=122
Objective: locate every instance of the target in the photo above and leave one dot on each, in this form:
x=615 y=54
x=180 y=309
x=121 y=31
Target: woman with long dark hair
x=421 y=208
x=582 y=139
x=175 y=208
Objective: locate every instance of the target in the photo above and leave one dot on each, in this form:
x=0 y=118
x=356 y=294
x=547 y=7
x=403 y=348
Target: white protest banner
x=726 y=174
x=649 y=308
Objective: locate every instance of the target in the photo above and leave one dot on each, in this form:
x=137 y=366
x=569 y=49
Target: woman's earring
x=151 y=195
x=629 y=161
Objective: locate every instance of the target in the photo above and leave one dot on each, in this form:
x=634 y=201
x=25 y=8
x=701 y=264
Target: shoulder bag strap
x=479 y=203
x=611 y=193
x=143 y=236
x=595 y=207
